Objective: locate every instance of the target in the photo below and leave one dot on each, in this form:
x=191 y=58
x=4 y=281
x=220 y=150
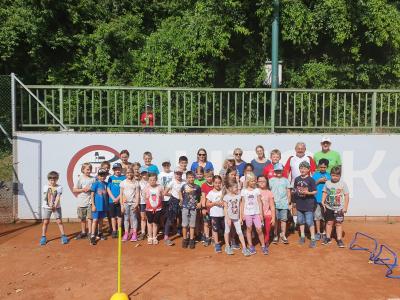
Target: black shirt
x=304 y=202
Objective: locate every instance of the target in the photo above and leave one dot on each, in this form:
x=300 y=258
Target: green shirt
x=332 y=156
x=199 y=182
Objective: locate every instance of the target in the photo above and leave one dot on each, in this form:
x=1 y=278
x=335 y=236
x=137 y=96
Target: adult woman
x=260 y=162
x=124 y=156
x=202 y=161
x=240 y=164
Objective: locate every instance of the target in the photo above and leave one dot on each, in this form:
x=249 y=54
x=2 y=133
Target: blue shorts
x=98 y=215
x=142 y=208
x=281 y=214
x=305 y=217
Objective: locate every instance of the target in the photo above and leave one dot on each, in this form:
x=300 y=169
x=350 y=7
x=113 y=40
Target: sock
x=302 y=235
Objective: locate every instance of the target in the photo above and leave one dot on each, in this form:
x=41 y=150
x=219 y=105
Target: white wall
x=371 y=163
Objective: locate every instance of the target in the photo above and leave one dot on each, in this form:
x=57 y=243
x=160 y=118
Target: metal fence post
x=169 y=111
x=14 y=148
x=273 y=104
x=60 y=91
x=373 y=112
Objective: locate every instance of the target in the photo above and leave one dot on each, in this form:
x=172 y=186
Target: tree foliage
x=222 y=43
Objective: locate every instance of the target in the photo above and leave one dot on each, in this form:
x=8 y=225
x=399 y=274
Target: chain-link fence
x=5 y=113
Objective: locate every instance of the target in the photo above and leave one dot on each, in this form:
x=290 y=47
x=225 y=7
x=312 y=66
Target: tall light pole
x=274 y=60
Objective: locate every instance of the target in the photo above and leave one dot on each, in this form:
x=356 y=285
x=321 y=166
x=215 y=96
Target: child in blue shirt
x=320 y=177
x=99 y=203
x=147 y=158
x=114 y=204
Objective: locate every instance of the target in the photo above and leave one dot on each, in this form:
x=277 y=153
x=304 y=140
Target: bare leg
x=248 y=235
x=191 y=233
x=89 y=225
x=302 y=234
x=329 y=225
x=44 y=226
x=283 y=228
x=261 y=236
x=60 y=226
x=114 y=224
x=339 y=231
x=83 y=226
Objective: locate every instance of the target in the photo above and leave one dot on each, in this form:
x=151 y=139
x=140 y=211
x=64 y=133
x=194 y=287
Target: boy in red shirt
x=147 y=119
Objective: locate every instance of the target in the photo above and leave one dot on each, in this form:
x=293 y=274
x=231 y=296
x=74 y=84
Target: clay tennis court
x=81 y=271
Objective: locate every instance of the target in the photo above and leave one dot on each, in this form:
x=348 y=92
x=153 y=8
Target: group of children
x=203 y=207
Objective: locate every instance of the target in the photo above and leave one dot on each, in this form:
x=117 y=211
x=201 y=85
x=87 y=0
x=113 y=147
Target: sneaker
x=326 y=241
x=93 y=240
x=235 y=246
x=246 y=252
x=185 y=243
x=284 y=240
x=207 y=242
x=317 y=236
x=133 y=237
x=302 y=240
x=64 y=239
x=340 y=243
x=192 y=244
x=125 y=237
x=141 y=237
x=149 y=241
x=252 y=250
x=218 y=248
x=155 y=241
x=114 y=235
x=168 y=242
x=43 y=241
x=313 y=243
x=275 y=240
x=228 y=250
x=80 y=236
x=265 y=250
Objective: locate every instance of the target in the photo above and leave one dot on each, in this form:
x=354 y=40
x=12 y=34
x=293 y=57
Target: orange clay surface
x=81 y=271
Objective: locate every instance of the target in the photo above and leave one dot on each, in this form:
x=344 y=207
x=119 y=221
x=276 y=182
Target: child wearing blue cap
x=113 y=190
x=280 y=188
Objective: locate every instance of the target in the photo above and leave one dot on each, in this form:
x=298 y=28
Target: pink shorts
x=253 y=219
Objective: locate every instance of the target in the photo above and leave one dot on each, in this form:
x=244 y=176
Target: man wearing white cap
x=327 y=153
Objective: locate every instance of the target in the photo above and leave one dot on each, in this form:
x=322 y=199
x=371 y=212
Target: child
x=165 y=178
x=147 y=119
x=232 y=212
x=199 y=176
x=147 y=158
x=82 y=186
x=51 y=205
x=229 y=162
x=173 y=191
x=125 y=164
x=248 y=169
x=335 y=200
x=304 y=191
x=136 y=174
x=142 y=185
x=153 y=195
x=232 y=175
x=268 y=206
x=269 y=171
x=105 y=165
x=251 y=212
x=183 y=163
x=280 y=188
x=114 y=207
x=190 y=199
x=216 y=206
x=99 y=203
x=320 y=177
x=206 y=187
x=129 y=203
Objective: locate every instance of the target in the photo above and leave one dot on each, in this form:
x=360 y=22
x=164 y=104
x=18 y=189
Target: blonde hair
x=276 y=151
x=84 y=165
x=225 y=164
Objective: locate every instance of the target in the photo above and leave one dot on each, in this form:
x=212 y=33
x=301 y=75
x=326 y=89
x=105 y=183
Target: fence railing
x=175 y=109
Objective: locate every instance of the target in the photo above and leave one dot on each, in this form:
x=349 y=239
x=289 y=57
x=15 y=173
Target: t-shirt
x=113 y=185
x=147 y=119
x=292 y=166
x=332 y=156
x=269 y=171
x=83 y=198
x=164 y=179
x=125 y=168
x=279 y=188
x=266 y=196
x=259 y=167
x=151 y=169
x=320 y=186
x=233 y=209
x=199 y=182
x=191 y=195
x=304 y=202
x=131 y=188
x=240 y=168
x=100 y=195
x=50 y=194
x=215 y=196
x=206 y=188
x=208 y=167
x=250 y=198
x=335 y=194
x=175 y=187
x=153 y=197
x=142 y=185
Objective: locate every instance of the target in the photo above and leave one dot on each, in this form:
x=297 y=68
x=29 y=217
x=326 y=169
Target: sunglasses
x=238 y=154
x=201 y=154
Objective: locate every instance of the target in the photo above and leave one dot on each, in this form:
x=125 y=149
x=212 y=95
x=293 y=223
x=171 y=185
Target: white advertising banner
x=371 y=163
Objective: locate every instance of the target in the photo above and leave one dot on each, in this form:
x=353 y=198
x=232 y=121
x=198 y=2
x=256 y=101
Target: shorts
x=98 y=215
x=253 y=219
x=114 y=209
x=189 y=217
x=142 y=208
x=332 y=215
x=153 y=217
x=46 y=213
x=305 y=217
x=165 y=206
x=217 y=223
x=281 y=214
x=318 y=212
x=206 y=217
x=172 y=211
x=235 y=223
x=84 y=212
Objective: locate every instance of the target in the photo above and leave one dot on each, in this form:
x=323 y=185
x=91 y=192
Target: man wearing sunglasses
x=240 y=164
x=327 y=153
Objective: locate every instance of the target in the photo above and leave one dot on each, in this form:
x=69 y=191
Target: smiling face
x=238 y=155
x=117 y=171
x=190 y=179
x=233 y=189
x=262 y=183
x=201 y=156
x=300 y=150
x=217 y=184
x=325 y=146
x=124 y=158
x=232 y=175
x=129 y=174
x=87 y=170
x=183 y=164
x=147 y=159
x=260 y=152
x=153 y=181
x=209 y=178
x=304 y=171
x=275 y=158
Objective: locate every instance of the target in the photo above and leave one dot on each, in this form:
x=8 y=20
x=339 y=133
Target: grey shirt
x=233 y=208
x=335 y=194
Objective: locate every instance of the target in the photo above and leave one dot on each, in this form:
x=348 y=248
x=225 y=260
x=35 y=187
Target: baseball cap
x=166 y=162
x=143 y=169
x=116 y=165
x=102 y=172
x=278 y=167
x=178 y=170
x=304 y=164
x=326 y=139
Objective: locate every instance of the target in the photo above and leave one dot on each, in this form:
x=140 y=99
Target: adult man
x=293 y=162
x=327 y=153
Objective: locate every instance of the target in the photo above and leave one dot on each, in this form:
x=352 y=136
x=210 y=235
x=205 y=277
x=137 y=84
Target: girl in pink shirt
x=268 y=204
